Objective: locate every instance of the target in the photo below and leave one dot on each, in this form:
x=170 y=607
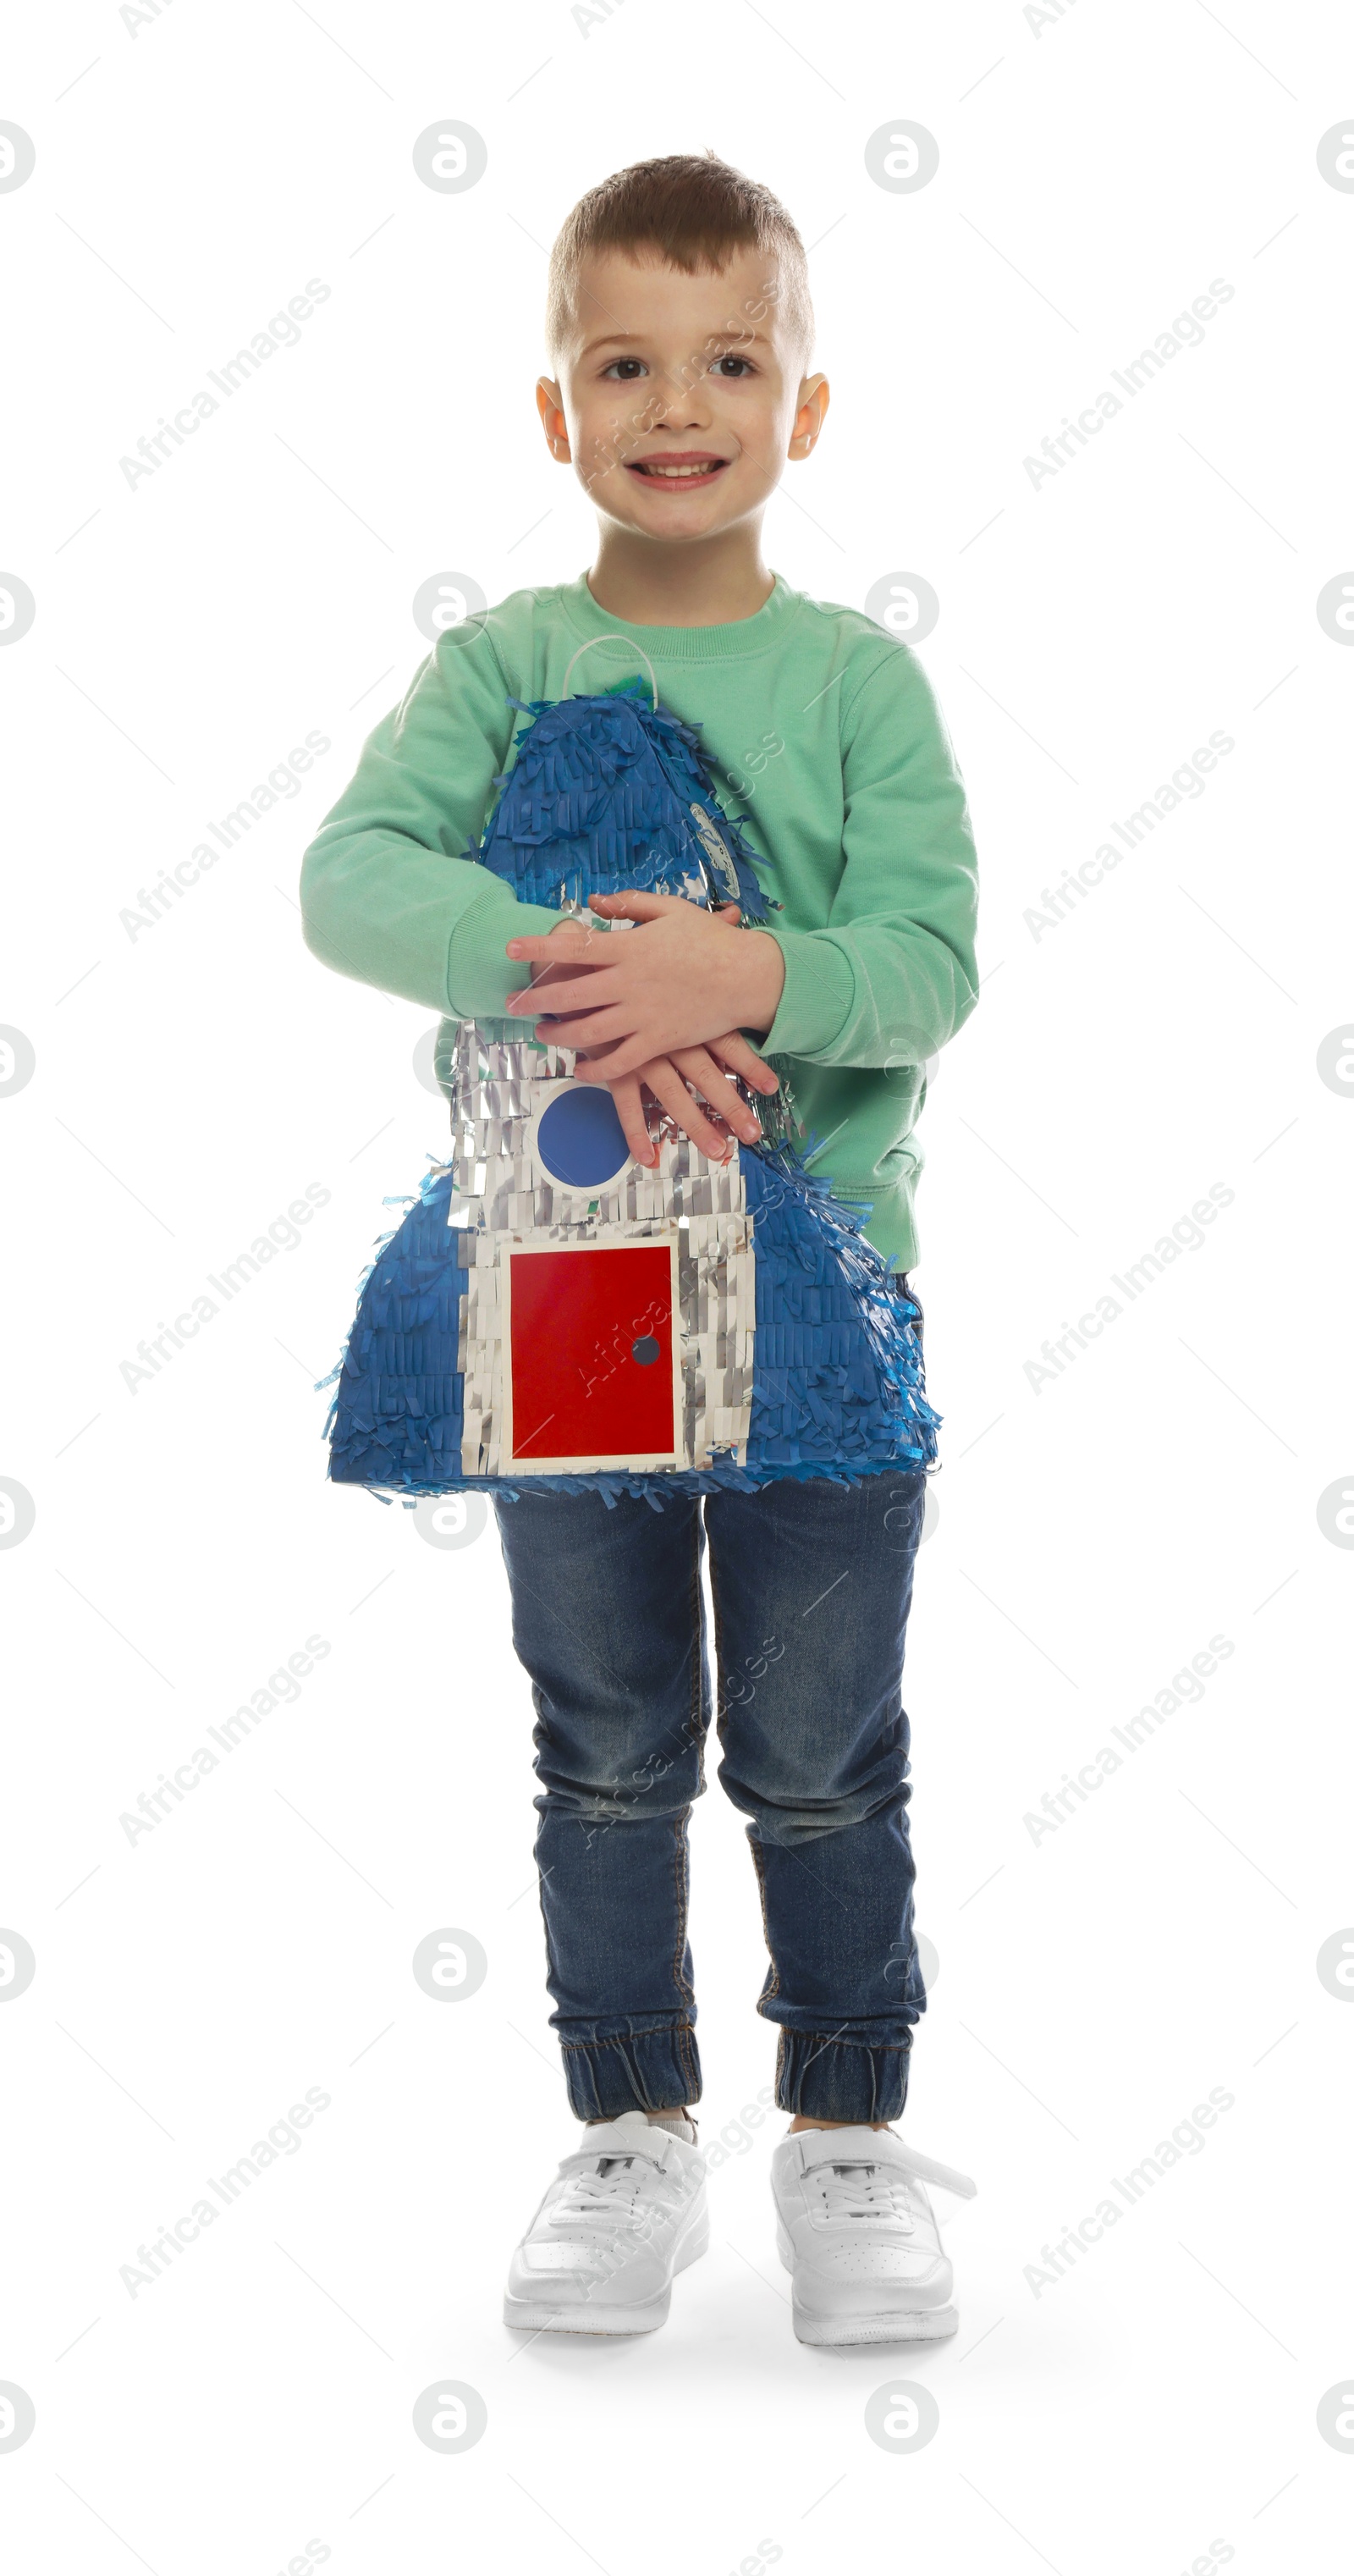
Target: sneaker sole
x=591 y=2317
x=906 y=2325
x=865 y=2325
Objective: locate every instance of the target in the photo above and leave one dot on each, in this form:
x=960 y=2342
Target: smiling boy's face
x=680 y=398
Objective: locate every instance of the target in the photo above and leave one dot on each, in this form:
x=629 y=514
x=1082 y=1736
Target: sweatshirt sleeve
x=893 y=974
x=386 y=895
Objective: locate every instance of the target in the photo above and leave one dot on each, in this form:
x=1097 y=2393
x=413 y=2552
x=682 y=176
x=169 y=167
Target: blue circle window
x=580 y=1138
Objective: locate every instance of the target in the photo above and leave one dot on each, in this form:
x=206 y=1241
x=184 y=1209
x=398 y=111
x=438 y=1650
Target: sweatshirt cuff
x=817 y=997
x=479 y=976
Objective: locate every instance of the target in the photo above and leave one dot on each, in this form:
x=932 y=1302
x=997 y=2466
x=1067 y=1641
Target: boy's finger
x=636 y=904
x=591 y=1029
x=627 y=1055
x=625 y=1091
x=734 y=1052
x=667 y=1086
x=567 y=943
x=593 y=1062
x=699 y=1066
x=572 y=991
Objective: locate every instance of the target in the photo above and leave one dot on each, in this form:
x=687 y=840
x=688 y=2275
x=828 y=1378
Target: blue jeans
x=811 y=1585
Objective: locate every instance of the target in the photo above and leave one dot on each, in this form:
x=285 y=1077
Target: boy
x=680 y=330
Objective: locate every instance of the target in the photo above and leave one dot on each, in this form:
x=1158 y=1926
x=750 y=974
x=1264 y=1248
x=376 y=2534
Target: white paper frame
x=544 y=1095
x=606 y=1238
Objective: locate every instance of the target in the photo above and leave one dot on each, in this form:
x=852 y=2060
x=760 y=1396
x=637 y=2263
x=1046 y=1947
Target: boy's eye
x=731 y=365
x=625 y=370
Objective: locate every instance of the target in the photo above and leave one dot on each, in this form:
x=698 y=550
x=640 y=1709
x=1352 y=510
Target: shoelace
x=866 y=2191
x=609 y=2189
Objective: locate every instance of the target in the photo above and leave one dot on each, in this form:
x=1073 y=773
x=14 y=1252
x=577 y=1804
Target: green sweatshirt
x=821 y=730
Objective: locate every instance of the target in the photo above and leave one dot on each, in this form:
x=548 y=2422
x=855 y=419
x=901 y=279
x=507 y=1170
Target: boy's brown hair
x=691 y=211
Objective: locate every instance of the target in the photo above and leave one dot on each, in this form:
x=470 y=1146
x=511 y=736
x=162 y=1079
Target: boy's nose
x=677 y=405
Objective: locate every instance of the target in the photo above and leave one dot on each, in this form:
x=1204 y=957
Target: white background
x=1096 y=173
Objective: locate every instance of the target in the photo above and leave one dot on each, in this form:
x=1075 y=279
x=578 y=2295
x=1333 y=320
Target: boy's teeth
x=673 y=471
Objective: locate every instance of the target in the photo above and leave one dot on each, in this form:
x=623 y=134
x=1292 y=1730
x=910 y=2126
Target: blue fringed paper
x=396 y=1419
x=838 y=1388
x=601 y=798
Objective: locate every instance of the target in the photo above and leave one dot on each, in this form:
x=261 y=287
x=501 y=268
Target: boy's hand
x=670 y=1079
x=676 y=981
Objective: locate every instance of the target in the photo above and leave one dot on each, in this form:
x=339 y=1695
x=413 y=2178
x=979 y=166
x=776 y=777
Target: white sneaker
x=857 y=2234
x=623 y=2214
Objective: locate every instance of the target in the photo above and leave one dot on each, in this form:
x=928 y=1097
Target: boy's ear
x=552 y=419
x=814 y=397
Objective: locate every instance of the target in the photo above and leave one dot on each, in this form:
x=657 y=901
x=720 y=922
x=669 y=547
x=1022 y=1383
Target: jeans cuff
x=647 y=2070
x=836 y=2079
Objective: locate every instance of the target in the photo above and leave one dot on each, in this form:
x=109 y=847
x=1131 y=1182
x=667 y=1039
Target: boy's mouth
x=681 y=467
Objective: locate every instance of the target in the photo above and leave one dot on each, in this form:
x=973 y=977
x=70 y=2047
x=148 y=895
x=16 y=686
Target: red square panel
x=578 y=1389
